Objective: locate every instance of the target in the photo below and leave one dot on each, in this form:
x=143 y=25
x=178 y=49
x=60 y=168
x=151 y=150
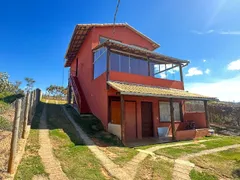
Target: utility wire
x=63 y=72
x=115 y=16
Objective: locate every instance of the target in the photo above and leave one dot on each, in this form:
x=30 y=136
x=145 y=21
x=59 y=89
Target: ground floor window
x=164 y=110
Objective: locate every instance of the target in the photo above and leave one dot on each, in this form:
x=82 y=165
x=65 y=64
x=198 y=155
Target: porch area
x=141 y=119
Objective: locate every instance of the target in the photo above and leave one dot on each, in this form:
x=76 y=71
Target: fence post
x=38 y=96
x=26 y=114
x=30 y=107
x=14 y=139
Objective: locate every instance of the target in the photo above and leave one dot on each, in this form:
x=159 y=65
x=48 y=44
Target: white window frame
x=175 y=105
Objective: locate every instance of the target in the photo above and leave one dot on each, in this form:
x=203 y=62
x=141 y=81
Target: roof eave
x=174 y=97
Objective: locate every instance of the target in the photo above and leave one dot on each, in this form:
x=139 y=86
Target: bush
x=5 y=124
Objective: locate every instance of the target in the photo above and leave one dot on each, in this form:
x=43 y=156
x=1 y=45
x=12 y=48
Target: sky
x=34 y=36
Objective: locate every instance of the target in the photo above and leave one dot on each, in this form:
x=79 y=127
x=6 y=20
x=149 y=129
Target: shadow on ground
x=92 y=126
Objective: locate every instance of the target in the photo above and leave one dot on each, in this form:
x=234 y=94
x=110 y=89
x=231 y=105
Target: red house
x=136 y=93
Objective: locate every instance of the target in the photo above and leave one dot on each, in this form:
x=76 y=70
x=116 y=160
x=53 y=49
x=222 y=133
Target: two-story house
x=135 y=92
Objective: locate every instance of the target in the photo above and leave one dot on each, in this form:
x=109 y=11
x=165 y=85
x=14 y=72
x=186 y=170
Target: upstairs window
x=100 y=62
x=165 y=71
x=128 y=64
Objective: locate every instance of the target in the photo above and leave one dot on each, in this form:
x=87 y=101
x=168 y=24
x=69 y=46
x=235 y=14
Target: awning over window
x=155 y=91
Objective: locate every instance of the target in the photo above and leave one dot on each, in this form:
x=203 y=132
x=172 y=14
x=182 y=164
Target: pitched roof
x=81 y=31
x=155 y=91
x=134 y=50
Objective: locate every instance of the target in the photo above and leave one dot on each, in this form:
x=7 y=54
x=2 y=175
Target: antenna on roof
x=115 y=15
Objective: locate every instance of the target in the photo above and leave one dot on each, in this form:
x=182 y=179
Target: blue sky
x=34 y=36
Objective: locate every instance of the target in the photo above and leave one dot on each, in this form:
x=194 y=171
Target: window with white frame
x=164 y=110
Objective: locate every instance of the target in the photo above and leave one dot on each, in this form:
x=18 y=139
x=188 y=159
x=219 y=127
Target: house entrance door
x=130 y=120
x=147 y=120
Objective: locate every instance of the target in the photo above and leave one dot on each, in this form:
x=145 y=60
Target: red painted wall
x=198 y=117
x=147 y=80
x=95 y=90
x=122 y=34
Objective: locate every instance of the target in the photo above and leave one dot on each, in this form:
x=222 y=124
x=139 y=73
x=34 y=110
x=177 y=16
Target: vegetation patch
x=108 y=143
x=76 y=159
x=181 y=150
x=195 y=175
x=154 y=169
x=224 y=164
x=5 y=124
x=31 y=163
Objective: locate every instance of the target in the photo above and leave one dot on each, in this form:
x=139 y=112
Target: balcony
x=118 y=59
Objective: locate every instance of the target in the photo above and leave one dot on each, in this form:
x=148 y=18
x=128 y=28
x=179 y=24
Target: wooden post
x=14 y=139
x=38 y=96
x=206 y=113
x=30 y=107
x=172 y=120
x=122 y=119
x=108 y=66
x=181 y=110
x=69 y=94
x=181 y=73
x=26 y=113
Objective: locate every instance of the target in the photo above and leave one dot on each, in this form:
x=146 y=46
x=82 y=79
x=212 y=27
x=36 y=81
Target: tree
x=4 y=82
x=56 y=91
x=30 y=84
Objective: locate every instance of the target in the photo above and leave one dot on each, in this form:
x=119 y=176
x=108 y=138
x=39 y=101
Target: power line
x=63 y=72
x=115 y=16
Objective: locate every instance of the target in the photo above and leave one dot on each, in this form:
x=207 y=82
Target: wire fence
x=221 y=113
x=14 y=125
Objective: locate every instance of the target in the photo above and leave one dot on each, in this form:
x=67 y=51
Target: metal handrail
x=75 y=90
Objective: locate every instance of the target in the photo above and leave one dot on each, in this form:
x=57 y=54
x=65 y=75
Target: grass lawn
x=53 y=101
x=195 y=175
x=223 y=164
x=106 y=142
x=154 y=169
x=76 y=159
x=178 y=151
x=31 y=164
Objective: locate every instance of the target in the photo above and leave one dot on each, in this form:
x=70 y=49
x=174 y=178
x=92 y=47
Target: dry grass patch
x=154 y=169
x=225 y=164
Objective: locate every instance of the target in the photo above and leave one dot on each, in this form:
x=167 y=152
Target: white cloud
x=211 y=31
x=194 y=71
x=229 y=32
x=203 y=32
x=207 y=71
x=234 y=65
x=204 y=60
x=225 y=89
x=163 y=75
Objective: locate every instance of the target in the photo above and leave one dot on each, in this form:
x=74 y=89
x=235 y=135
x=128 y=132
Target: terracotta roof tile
x=155 y=91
